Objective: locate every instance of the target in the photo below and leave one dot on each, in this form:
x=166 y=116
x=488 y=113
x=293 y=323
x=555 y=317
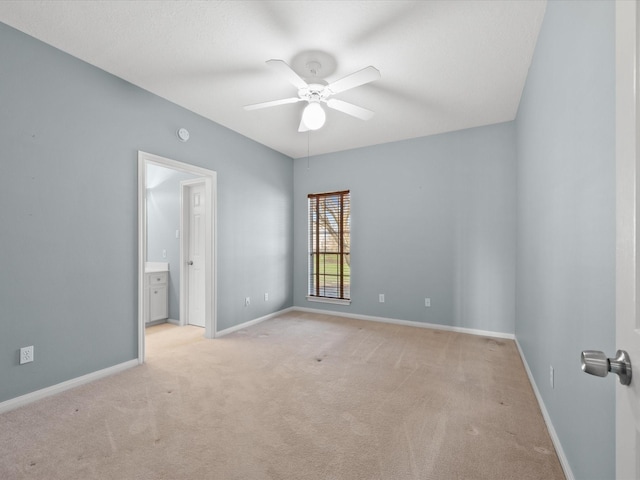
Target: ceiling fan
x=313 y=116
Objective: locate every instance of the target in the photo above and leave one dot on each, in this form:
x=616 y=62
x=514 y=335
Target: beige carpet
x=301 y=396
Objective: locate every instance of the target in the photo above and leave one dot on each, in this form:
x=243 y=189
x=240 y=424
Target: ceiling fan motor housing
x=314 y=93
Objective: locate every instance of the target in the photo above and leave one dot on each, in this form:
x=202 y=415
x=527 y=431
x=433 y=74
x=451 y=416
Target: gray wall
x=566 y=226
x=431 y=217
x=69 y=136
x=163 y=219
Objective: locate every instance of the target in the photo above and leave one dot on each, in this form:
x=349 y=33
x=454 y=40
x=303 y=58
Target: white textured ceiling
x=445 y=65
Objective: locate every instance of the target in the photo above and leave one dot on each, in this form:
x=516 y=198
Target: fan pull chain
x=308 y=134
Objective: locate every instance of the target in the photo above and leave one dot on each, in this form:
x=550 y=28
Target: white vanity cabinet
x=157 y=295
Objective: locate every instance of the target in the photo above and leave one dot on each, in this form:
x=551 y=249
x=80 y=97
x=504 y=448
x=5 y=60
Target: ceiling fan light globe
x=314 y=116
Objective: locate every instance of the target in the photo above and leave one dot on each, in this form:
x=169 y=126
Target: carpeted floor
x=300 y=396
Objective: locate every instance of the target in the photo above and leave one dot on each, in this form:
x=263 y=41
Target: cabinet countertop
x=156 y=267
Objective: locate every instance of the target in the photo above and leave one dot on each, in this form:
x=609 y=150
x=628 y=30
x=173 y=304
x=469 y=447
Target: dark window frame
x=329 y=246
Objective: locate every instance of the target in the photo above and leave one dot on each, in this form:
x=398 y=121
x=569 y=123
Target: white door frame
x=627 y=139
x=210 y=178
x=185 y=233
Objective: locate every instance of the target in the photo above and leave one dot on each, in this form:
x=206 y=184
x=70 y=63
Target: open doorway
x=204 y=183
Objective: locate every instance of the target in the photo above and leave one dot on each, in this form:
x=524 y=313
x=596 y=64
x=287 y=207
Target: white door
x=196 y=214
x=627 y=220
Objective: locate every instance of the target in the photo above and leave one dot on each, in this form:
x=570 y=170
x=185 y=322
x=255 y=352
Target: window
x=329 y=247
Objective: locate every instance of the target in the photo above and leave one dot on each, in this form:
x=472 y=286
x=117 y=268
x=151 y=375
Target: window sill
x=335 y=301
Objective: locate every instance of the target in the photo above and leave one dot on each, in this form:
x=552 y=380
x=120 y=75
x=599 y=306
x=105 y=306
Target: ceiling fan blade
x=303 y=126
x=272 y=103
x=287 y=72
x=366 y=75
x=350 y=109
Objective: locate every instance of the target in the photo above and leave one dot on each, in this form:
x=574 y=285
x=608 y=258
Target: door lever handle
x=595 y=362
x=190 y=262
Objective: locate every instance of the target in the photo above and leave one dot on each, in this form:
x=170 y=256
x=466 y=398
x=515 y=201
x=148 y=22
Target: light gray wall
x=163 y=219
x=69 y=137
x=431 y=217
x=566 y=226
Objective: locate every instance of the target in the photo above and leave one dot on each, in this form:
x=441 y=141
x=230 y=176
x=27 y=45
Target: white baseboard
x=250 y=323
x=408 y=323
x=28 y=398
x=547 y=419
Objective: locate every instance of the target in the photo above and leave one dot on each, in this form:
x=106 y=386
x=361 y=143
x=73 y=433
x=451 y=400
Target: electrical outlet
x=266 y=297
x=26 y=354
x=381 y=298
x=247 y=301
x=551 y=379
x=427 y=302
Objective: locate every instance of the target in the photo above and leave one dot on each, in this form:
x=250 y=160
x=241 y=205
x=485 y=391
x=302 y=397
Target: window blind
x=330 y=245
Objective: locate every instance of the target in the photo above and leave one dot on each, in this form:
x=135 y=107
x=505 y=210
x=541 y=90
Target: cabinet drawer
x=157 y=278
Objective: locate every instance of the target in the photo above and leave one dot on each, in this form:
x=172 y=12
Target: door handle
x=596 y=363
x=190 y=262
